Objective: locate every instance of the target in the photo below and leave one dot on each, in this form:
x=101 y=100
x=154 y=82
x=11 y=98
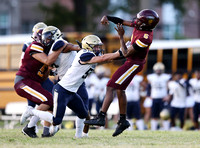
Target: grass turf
x=13 y=138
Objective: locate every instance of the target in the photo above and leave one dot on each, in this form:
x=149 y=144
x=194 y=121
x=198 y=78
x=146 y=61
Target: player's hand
x=104 y=20
x=120 y=29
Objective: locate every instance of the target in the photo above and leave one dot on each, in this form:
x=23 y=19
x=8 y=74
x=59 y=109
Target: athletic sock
x=79 y=127
x=45 y=130
x=33 y=121
x=43 y=115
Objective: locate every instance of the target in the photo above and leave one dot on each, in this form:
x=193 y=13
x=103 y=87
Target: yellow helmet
x=90 y=41
x=50 y=34
x=164 y=114
x=39 y=25
x=159 y=66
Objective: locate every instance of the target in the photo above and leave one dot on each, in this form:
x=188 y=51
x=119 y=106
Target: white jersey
x=195 y=83
x=158 y=85
x=64 y=60
x=100 y=88
x=133 y=89
x=178 y=90
x=77 y=73
x=90 y=85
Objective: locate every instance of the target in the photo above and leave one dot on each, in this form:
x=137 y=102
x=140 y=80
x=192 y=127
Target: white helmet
x=50 y=34
x=36 y=31
x=159 y=66
x=90 y=41
x=39 y=25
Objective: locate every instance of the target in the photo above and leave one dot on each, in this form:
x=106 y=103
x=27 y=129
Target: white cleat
x=53 y=130
x=26 y=114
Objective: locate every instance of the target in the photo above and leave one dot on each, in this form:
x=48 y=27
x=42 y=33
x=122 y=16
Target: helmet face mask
x=92 y=43
x=36 y=31
x=37 y=35
x=50 y=34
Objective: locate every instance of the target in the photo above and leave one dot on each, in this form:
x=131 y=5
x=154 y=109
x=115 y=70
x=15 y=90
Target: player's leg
x=181 y=117
x=122 y=123
x=100 y=119
x=82 y=113
x=82 y=92
x=137 y=115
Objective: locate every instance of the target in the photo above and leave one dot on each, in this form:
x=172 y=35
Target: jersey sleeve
x=36 y=48
x=58 y=45
x=142 y=42
x=86 y=56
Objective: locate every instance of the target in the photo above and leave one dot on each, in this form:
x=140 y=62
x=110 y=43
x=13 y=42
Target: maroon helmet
x=146 y=19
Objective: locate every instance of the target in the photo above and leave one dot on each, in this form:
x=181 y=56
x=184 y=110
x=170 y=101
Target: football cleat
x=46 y=136
x=99 y=121
x=26 y=115
x=54 y=130
x=122 y=125
x=29 y=131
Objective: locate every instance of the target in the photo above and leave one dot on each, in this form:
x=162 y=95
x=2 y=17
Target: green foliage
x=178 y=4
x=57 y=15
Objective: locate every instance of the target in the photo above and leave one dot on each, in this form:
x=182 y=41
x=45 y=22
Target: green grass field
x=13 y=138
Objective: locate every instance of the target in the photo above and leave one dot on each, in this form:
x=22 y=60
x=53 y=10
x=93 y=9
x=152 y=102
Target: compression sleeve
x=115 y=20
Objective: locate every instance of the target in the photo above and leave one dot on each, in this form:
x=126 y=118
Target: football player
x=32 y=72
x=135 y=54
x=47 y=84
x=157 y=91
x=195 y=83
x=133 y=102
x=65 y=91
x=177 y=98
x=62 y=64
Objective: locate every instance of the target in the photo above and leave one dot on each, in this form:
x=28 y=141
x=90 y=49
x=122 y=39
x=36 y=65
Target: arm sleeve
x=86 y=56
x=115 y=20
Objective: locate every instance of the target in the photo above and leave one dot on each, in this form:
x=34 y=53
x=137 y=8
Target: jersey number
x=42 y=71
x=87 y=73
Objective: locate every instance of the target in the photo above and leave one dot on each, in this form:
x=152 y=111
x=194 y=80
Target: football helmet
x=37 y=31
x=159 y=66
x=146 y=19
x=92 y=43
x=37 y=35
x=164 y=114
x=50 y=34
x=39 y=25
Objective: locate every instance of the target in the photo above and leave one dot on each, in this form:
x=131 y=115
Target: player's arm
x=48 y=60
x=106 y=18
x=100 y=59
x=125 y=51
x=71 y=47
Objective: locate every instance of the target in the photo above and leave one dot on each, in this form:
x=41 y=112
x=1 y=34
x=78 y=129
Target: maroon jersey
x=141 y=41
x=32 y=68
